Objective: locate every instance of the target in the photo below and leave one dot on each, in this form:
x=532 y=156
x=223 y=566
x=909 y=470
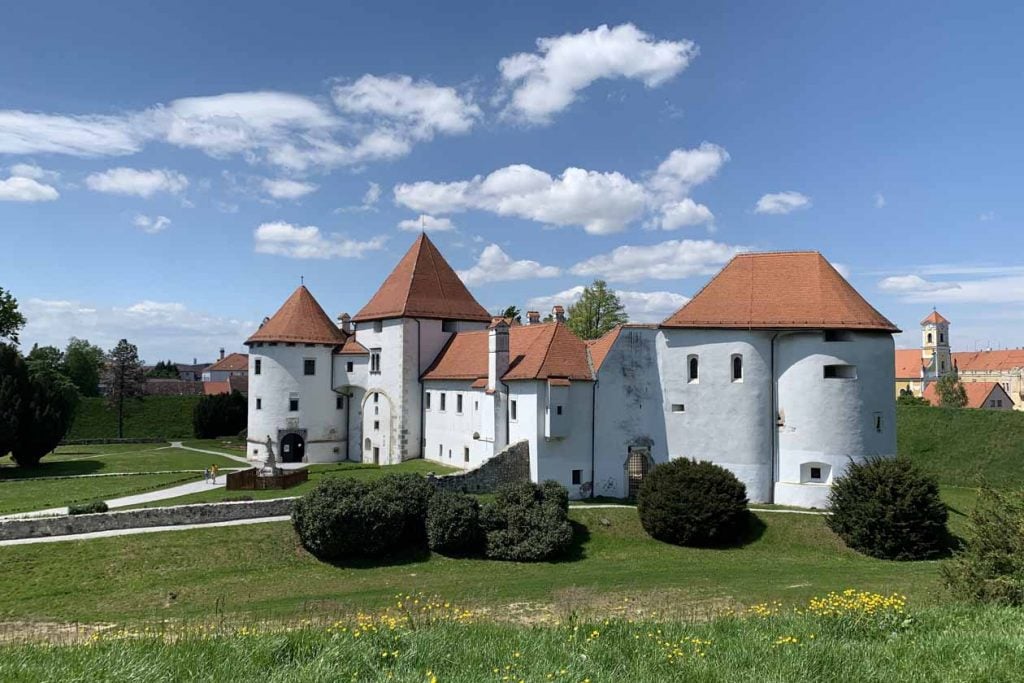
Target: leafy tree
x=163 y=370
x=597 y=311
x=45 y=359
x=513 y=313
x=907 y=398
x=83 y=364
x=13 y=401
x=125 y=379
x=220 y=415
x=50 y=410
x=11 y=319
x=951 y=392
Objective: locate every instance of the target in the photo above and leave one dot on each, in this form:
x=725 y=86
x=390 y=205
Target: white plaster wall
x=352 y=384
x=281 y=375
x=390 y=381
x=556 y=458
x=448 y=431
x=831 y=421
x=221 y=375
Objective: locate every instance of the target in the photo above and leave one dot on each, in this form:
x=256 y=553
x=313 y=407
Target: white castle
x=777 y=370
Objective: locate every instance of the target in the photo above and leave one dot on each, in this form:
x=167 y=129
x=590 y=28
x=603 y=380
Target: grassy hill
x=165 y=417
x=964 y=447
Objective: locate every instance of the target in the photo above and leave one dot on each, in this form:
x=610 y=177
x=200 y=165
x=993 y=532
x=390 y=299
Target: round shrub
x=686 y=502
x=991 y=567
x=527 y=522
x=412 y=493
x=453 y=523
x=887 y=508
x=343 y=517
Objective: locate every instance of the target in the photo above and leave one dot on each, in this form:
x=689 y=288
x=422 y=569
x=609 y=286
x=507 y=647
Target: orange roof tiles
x=600 y=347
x=977 y=393
x=982 y=361
x=786 y=290
x=934 y=317
x=535 y=352
x=233 y=362
x=352 y=347
x=423 y=285
x=300 y=319
x=214 y=388
x=908 y=363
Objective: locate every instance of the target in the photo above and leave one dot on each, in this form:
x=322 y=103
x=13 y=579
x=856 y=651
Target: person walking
x=206 y=475
x=215 y=468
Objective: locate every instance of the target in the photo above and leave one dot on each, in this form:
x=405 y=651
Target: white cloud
x=307 y=242
x=987 y=216
x=684 y=169
x=642 y=307
x=684 y=213
x=1007 y=289
x=131 y=181
x=494 y=265
x=372 y=195
x=546 y=82
x=879 y=200
x=19 y=189
x=421 y=107
x=282 y=188
x=782 y=202
x=34 y=172
x=669 y=260
x=913 y=284
x=151 y=225
x=161 y=330
x=426 y=223
x=85 y=136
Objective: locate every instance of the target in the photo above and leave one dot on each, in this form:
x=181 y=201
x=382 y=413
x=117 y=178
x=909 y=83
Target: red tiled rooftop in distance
x=977 y=393
x=233 y=362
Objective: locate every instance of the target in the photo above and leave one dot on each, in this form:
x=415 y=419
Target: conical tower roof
x=423 y=285
x=300 y=319
x=935 y=317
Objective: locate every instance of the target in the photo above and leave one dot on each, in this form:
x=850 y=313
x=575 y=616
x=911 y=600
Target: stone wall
x=510 y=465
x=203 y=513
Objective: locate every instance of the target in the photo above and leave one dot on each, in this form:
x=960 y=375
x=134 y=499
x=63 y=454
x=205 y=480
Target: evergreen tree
x=597 y=311
x=50 y=410
x=220 y=415
x=11 y=319
x=83 y=364
x=163 y=370
x=13 y=392
x=951 y=392
x=125 y=379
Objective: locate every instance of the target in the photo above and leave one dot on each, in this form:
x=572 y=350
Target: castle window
x=737 y=367
x=943 y=364
x=678 y=408
x=428 y=400
x=376 y=425
x=465 y=454
x=444 y=400
x=816 y=473
x=376 y=398
x=458 y=403
x=577 y=477
x=378 y=325
x=513 y=412
x=838 y=336
x=259 y=404
x=929 y=337
x=878 y=422
x=339 y=402
x=942 y=338
x=558 y=410
x=840 y=372
x=257 y=366
x=349 y=366
x=374 y=361
x=293 y=403
x=692 y=368
x=309 y=366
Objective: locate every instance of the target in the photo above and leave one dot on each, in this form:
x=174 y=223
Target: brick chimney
x=497 y=353
x=345 y=323
x=532 y=317
x=222 y=353
x=558 y=313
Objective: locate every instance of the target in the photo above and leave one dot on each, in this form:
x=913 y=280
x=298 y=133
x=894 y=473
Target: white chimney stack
x=345 y=323
x=533 y=317
x=558 y=313
x=497 y=353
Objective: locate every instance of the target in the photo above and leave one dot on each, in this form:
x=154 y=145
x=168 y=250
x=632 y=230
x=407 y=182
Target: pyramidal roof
x=786 y=290
x=423 y=285
x=300 y=319
x=934 y=317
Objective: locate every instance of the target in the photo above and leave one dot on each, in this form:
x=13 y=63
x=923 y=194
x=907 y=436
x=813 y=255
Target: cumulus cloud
x=642 y=307
x=161 y=330
x=684 y=213
x=543 y=83
x=308 y=242
x=283 y=188
x=669 y=260
x=131 y=181
x=913 y=283
x=993 y=287
x=20 y=189
x=782 y=202
x=151 y=224
x=421 y=107
x=494 y=265
x=372 y=195
x=426 y=223
x=684 y=169
x=34 y=172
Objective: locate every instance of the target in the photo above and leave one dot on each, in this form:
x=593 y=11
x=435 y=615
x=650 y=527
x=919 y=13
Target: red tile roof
x=535 y=352
x=977 y=393
x=233 y=362
x=214 y=388
x=301 y=320
x=786 y=290
x=423 y=285
x=908 y=363
x=239 y=383
x=352 y=347
x=935 y=317
x=981 y=361
x=600 y=347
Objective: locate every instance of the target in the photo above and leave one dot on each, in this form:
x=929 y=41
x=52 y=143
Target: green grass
x=114 y=458
x=25 y=495
x=164 y=417
x=964 y=447
x=938 y=644
x=262 y=570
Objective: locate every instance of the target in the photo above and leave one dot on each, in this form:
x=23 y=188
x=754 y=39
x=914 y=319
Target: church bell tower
x=935 y=355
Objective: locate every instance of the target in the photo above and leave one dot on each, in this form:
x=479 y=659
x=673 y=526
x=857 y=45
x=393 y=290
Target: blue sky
x=168 y=173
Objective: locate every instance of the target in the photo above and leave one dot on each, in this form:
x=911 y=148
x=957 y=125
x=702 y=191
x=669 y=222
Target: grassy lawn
x=25 y=495
x=165 y=417
x=261 y=571
x=114 y=458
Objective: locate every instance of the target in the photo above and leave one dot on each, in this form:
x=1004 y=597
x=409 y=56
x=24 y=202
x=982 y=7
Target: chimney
x=533 y=317
x=558 y=313
x=222 y=353
x=497 y=353
x=195 y=361
x=345 y=323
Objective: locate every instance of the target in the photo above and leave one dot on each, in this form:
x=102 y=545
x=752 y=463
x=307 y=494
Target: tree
x=125 y=379
x=50 y=410
x=163 y=370
x=13 y=390
x=83 y=364
x=45 y=359
x=11 y=319
x=597 y=311
x=907 y=398
x=951 y=392
x=513 y=313
x=220 y=415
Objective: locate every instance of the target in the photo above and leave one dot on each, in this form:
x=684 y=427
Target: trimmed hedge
x=686 y=502
x=889 y=509
x=88 y=508
x=527 y=522
x=453 y=524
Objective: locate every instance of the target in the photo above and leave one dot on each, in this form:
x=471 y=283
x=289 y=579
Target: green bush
x=991 y=568
x=527 y=522
x=220 y=415
x=686 y=502
x=88 y=508
x=412 y=493
x=889 y=509
x=453 y=523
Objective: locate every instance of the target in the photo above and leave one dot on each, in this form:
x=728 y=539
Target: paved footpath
x=144 y=530
x=137 y=499
x=182 y=446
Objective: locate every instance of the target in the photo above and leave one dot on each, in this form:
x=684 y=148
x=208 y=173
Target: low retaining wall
x=510 y=465
x=202 y=513
x=95 y=442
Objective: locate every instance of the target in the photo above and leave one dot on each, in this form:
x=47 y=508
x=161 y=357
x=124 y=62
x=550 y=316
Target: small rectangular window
x=376 y=397
x=449 y=326
x=339 y=402
x=577 y=477
x=458 y=403
x=293 y=404
x=678 y=408
x=465 y=454
x=878 y=422
x=259 y=404
x=838 y=336
x=378 y=325
x=257 y=366
x=374 y=361
x=816 y=473
x=309 y=366
x=440 y=450
x=737 y=367
x=444 y=400
x=512 y=410
x=427 y=399
x=348 y=366
x=558 y=410
x=376 y=425
x=840 y=372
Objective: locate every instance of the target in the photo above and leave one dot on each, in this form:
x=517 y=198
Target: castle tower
x=935 y=355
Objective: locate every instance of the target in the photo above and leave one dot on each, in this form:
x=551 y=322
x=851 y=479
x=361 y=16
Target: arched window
x=693 y=369
x=929 y=337
x=737 y=368
x=367 y=444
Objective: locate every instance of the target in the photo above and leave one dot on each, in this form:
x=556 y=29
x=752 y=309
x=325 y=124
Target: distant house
x=193 y=372
x=986 y=395
x=232 y=365
x=239 y=383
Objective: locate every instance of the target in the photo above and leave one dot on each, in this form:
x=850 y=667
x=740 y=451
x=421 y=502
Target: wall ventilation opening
x=840 y=372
